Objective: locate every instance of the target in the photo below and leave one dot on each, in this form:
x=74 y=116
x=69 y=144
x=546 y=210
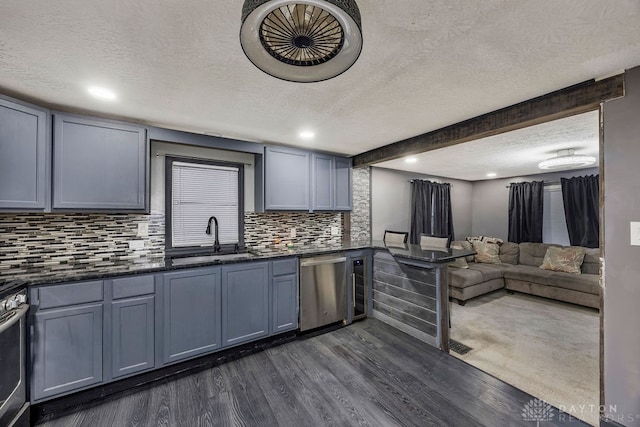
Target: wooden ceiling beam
x=566 y=102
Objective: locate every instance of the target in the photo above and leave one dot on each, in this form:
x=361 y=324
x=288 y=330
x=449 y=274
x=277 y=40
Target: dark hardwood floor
x=367 y=374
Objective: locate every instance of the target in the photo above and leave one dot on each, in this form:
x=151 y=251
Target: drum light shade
x=301 y=41
x=567 y=159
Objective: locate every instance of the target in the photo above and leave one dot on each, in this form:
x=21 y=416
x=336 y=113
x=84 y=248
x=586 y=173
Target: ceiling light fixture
x=301 y=40
x=411 y=160
x=306 y=134
x=492 y=174
x=567 y=159
x=102 y=93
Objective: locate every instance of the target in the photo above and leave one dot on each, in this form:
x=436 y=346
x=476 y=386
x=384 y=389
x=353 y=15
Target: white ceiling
x=424 y=65
x=515 y=153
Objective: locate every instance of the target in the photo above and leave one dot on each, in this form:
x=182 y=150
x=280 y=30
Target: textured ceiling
x=509 y=154
x=424 y=65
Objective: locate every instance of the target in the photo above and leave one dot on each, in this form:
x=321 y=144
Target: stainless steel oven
x=14 y=408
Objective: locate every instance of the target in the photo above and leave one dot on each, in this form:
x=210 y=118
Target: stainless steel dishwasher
x=323 y=290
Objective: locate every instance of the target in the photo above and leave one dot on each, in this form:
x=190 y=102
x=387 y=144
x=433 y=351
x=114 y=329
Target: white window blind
x=198 y=192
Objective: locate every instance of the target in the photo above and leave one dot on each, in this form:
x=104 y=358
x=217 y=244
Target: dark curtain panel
x=581 y=209
x=525 y=211
x=430 y=210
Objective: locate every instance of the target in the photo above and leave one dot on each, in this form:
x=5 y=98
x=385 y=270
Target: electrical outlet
x=635 y=233
x=292 y=233
x=335 y=231
x=143 y=229
x=136 y=244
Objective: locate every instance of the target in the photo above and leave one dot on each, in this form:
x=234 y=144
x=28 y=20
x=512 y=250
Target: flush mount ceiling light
x=101 y=92
x=301 y=40
x=492 y=174
x=411 y=160
x=567 y=159
x=306 y=134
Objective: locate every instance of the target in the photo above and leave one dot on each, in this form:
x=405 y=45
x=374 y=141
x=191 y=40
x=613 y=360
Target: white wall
x=491 y=201
x=160 y=149
x=391 y=201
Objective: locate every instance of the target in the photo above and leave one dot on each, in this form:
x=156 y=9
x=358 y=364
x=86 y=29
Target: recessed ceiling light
x=492 y=174
x=411 y=160
x=102 y=93
x=306 y=134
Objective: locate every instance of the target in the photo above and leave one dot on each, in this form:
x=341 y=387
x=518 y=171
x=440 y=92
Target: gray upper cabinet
x=24 y=156
x=99 y=165
x=300 y=180
x=191 y=318
x=322 y=182
x=286 y=179
x=245 y=299
x=66 y=350
x=342 y=182
x=330 y=183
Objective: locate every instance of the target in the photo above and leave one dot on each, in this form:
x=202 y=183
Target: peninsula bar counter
x=411 y=290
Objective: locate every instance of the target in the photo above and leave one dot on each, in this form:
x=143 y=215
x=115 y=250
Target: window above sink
x=203 y=206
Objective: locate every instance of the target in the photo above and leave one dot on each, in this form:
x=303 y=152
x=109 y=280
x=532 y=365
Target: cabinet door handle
x=353 y=286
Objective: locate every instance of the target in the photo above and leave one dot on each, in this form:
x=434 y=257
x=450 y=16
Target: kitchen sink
x=211 y=258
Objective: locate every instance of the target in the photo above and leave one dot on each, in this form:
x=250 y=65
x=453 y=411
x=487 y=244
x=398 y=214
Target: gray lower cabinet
x=284 y=287
x=88 y=333
x=191 y=313
x=66 y=350
x=287 y=173
x=133 y=329
x=245 y=302
x=25 y=146
x=99 y=165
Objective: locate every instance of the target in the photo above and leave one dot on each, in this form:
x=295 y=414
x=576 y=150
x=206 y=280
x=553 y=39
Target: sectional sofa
x=519 y=270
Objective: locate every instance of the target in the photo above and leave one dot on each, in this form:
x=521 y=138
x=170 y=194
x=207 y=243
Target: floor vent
x=458 y=347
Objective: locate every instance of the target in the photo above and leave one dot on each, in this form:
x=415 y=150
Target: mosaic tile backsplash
x=262 y=230
x=361 y=213
x=61 y=242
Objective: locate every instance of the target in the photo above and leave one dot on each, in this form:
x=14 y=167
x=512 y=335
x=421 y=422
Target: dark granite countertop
x=427 y=254
x=95 y=270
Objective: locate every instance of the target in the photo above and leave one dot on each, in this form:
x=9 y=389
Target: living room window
x=554 y=227
x=196 y=192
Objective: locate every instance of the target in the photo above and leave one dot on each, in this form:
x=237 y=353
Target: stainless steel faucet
x=216 y=241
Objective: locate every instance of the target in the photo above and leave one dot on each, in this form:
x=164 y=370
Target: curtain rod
x=437 y=182
x=544 y=183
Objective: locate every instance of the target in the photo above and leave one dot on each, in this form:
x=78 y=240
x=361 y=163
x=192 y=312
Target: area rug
x=547 y=348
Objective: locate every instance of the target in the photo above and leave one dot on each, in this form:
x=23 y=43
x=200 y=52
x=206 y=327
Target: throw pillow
x=488 y=253
x=469 y=247
x=485 y=239
x=459 y=262
x=568 y=260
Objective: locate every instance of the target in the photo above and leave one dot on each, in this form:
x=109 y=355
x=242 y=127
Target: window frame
x=170 y=250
